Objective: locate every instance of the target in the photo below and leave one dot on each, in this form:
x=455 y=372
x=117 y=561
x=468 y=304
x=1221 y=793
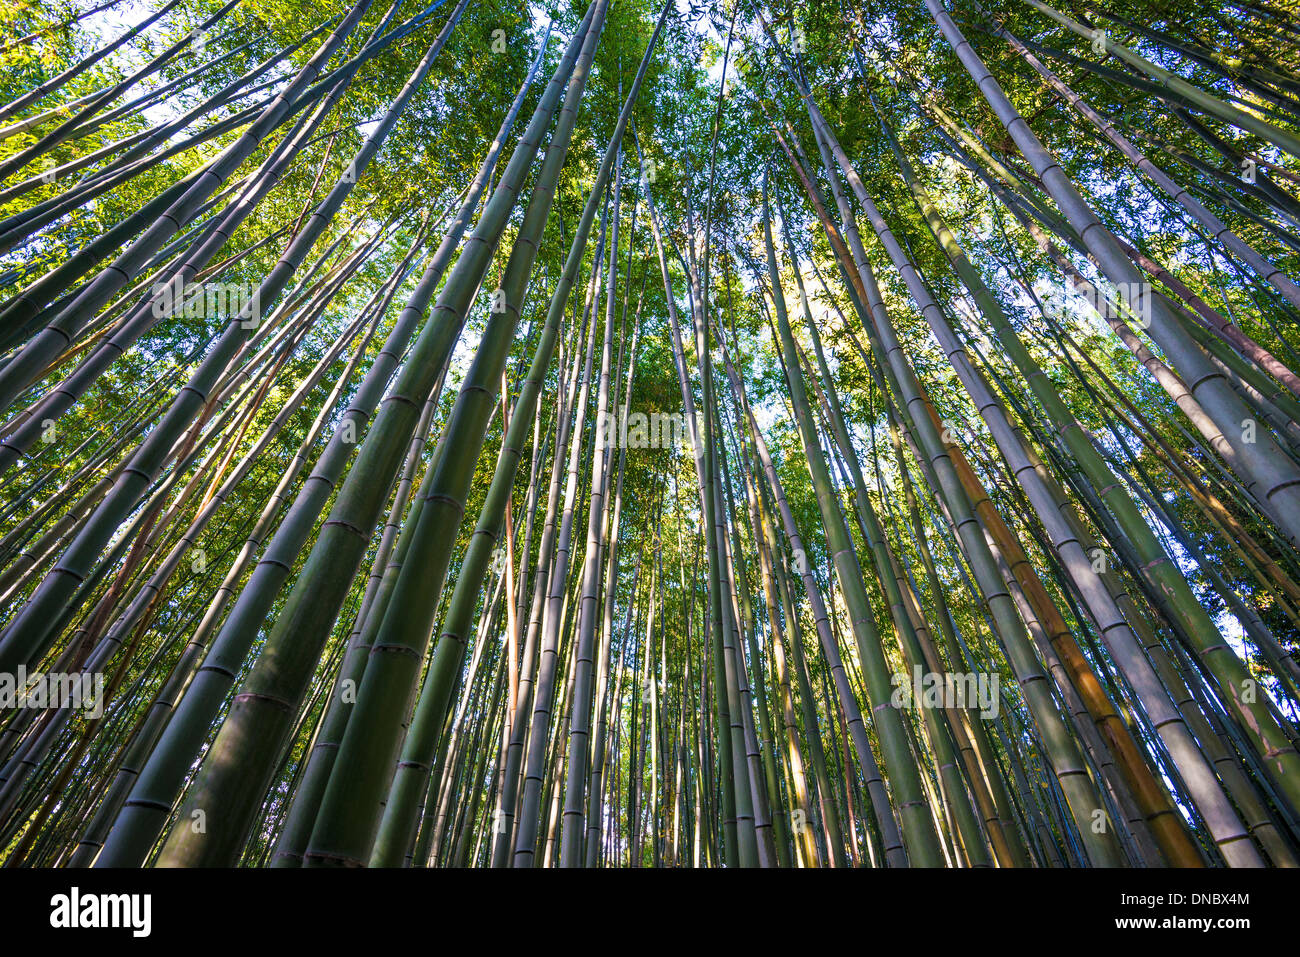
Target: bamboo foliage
x=879 y=430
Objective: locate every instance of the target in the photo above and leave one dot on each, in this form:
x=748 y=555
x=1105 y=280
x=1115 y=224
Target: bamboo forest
x=624 y=434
